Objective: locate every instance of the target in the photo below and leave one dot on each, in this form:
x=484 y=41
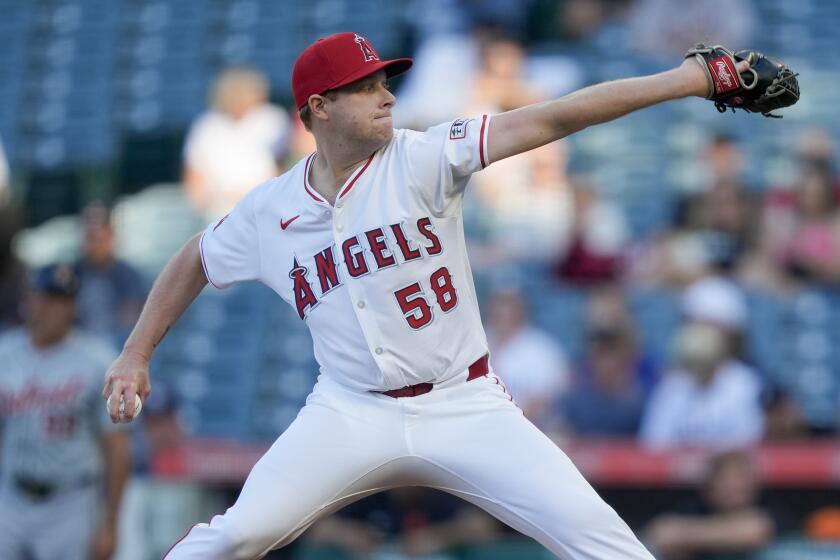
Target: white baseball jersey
x=51 y=411
x=382 y=277
x=383 y=282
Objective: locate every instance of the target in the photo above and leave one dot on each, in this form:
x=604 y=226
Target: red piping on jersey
x=481 y=142
x=179 y=540
x=309 y=191
x=203 y=263
x=502 y=385
x=359 y=174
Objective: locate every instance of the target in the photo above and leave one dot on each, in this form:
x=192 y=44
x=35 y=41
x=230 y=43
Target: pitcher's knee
x=248 y=541
x=586 y=517
x=236 y=544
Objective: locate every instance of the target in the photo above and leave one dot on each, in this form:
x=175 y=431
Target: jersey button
x=378 y=350
x=339 y=227
x=360 y=304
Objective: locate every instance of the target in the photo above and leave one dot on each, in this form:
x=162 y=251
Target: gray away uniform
x=51 y=462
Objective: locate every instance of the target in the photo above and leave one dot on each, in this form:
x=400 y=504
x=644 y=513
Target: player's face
x=361 y=112
x=733 y=487
x=99 y=244
x=48 y=317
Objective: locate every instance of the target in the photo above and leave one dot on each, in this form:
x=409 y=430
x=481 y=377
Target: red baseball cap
x=336 y=61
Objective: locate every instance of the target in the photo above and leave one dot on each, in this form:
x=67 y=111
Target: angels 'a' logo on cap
x=367 y=50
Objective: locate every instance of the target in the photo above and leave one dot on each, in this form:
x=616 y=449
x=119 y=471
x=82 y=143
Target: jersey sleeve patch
x=458 y=130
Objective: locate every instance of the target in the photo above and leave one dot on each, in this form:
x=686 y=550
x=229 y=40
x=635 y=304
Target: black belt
x=478 y=368
x=39 y=491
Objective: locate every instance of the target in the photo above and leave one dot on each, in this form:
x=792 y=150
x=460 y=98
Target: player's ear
x=316 y=107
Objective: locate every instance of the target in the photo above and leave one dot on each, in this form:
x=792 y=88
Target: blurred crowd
x=727 y=237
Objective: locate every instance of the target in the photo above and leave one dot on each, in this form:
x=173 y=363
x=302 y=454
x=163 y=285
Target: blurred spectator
x=800 y=238
x=5 y=193
x=239 y=143
x=499 y=84
x=520 y=184
x=571 y=20
x=488 y=65
x=714 y=233
x=816 y=145
x=658 y=29
x=112 y=292
x=712 y=398
x=532 y=365
x=615 y=376
x=715 y=226
x=723 y=161
x=729 y=223
x=526 y=210
x=63 y=463
x=607 y=399
x=783 y=419
x=610 y=388
x=728 y=518
x=415 y=521
x=599 y=238
x=440 y=59
x=12 y=272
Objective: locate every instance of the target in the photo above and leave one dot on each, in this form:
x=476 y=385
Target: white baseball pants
x=465 y=438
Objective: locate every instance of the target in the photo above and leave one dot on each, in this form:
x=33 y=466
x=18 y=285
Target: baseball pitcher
x=364 y=239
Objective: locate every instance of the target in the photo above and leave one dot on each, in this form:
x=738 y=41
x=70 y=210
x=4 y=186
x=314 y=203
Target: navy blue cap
x=55 y=280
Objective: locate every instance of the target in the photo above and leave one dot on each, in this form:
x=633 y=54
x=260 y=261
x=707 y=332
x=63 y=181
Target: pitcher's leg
x=328 y=457
x=493 y=457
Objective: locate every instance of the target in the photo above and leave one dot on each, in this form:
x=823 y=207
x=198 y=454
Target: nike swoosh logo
x=287 y=223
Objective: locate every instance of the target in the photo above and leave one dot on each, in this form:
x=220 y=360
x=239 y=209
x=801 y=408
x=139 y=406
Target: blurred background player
x=63 y=464
x=155 y=508
x=111 y=291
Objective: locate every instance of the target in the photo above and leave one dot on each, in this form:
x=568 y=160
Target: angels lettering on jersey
x=358 y=256
x=380 y=275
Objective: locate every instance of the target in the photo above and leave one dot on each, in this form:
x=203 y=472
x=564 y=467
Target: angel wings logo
x=367 y=50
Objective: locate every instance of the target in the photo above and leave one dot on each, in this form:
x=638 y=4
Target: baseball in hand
x=138 y=405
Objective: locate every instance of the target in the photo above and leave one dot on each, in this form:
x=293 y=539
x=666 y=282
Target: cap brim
x=397 y=66
x=393 y=67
